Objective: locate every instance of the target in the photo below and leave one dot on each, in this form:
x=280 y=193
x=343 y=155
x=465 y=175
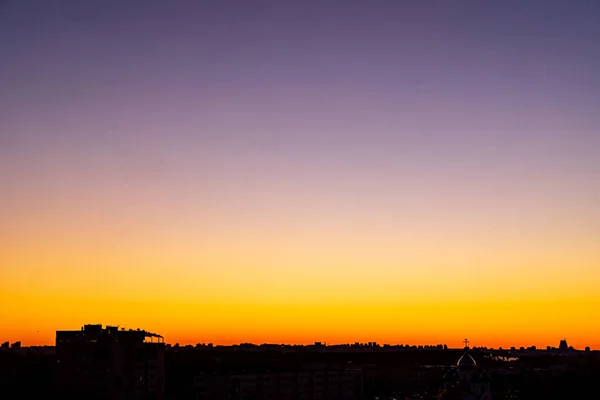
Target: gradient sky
x=293 y=171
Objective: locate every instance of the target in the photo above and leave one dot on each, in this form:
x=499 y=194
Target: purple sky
x=392 y=95
x=323 y=82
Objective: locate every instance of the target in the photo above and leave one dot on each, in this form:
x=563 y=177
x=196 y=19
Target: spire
x=466 y=361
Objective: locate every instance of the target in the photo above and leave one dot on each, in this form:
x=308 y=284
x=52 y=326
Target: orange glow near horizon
x=294 y=324
x=225 y=294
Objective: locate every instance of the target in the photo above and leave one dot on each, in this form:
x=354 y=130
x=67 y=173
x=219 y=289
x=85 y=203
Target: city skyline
x=110 y=362
x=270 y=172
x=318 y=344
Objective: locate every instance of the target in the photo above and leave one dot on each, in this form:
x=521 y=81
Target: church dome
x=466 y=361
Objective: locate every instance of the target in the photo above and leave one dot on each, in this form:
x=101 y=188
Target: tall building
x=110 y=363
x=563 y=347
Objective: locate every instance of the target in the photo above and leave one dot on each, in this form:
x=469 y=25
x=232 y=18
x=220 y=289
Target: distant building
x=563 y=347
x=110 y=363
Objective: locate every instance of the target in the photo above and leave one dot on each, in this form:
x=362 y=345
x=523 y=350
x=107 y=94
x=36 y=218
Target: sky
x=297 y=171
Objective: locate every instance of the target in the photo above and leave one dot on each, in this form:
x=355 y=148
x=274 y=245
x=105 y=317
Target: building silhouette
x=563 y=347
x=110 y=363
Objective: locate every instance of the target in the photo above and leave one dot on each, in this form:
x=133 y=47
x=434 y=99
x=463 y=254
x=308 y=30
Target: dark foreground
x=297 y=373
